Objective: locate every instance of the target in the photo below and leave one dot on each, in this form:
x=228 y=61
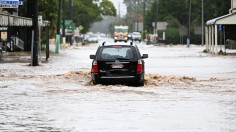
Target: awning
x=12 y=20
x=229 y=19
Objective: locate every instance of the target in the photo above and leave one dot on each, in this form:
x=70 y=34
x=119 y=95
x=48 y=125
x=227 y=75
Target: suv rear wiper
x=122 y=58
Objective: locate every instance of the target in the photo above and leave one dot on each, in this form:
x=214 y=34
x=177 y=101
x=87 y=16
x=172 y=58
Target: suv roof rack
x=103 y=43
x=131 y=43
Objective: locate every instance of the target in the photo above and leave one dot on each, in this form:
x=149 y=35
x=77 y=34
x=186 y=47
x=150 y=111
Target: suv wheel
x=95 y=82
x=141 y=83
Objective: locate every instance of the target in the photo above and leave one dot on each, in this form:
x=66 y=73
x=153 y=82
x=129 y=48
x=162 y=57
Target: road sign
x=40 y=20
x=160 y=25
x=11 y=2
x=81 y=27
x=220 y=27
x=9 y=6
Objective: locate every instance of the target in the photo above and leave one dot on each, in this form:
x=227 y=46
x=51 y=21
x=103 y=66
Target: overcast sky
x=122 y=6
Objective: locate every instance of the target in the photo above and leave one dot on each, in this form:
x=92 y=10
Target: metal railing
x=16 y=43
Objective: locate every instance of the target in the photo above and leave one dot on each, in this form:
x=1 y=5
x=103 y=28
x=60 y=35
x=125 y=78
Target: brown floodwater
x=185 y=90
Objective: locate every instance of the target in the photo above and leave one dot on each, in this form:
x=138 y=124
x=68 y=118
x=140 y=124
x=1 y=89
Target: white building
x=220 y=29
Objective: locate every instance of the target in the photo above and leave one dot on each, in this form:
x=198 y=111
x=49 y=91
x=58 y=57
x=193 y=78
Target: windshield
x=93 y=36
x=122 y=30
x=136 y=33
x=116 y=52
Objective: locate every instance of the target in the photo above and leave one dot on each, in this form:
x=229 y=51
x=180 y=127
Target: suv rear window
x=116 y=52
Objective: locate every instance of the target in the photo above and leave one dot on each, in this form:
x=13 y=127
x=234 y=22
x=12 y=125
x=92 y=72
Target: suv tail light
x=95 y=66
x=140 y=66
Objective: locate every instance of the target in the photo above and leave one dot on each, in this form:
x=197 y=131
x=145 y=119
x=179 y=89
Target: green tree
x=85 y=12
x=176 y=13
x=107 y=8
x=152 y=16
x=49 y=14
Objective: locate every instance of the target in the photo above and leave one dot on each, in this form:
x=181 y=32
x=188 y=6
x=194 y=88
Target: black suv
x=119 y=64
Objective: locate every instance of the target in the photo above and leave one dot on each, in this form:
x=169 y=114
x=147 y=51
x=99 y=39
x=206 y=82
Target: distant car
x=103 y=35
x=92 y=38
x=136 y=36
x=118 y=64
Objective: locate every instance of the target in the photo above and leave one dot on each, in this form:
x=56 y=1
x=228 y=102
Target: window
x=115 y=52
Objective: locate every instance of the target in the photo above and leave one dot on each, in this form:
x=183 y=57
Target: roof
x=229 y=19
x=12 y=20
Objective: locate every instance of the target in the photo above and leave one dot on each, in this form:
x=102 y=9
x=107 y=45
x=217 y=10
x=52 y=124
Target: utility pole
x=59 y=18
x=189 y=22
x=63 y=6
x=155 y=29
x=36 y=34
x=144 y=17
x=144 y=14
x=136 y=16
x=63 y=24
x=202 y=23
x=71 y=6
x=130 y=16
x=58 y=36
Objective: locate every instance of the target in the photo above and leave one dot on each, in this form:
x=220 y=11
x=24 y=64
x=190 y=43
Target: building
x=11 y=24
x=221 y=30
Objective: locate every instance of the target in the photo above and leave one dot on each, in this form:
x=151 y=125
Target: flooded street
x=185 y=90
